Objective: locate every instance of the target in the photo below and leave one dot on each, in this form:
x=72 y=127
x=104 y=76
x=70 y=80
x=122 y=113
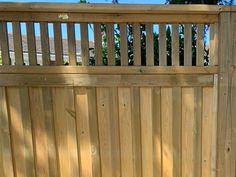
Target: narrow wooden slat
x=149 y=45
x=110 y=44
x=207 y=132
x=162 y=45
x=177 y=134
x=6 y=165
x=17 y=43
x=58 y=43
x=175 y=45
x=108 y=131
x=125 y=124
x=21 y=132
x=84 y=44
x=214 y=40
x=188 y=133
x=200 y=45
x=157 y=156
x=4 y=46
x=45 y=43
x=167 y=132
x=136 y=131
x=146 y=131
x=65 y=131
x=43 y=129
x=31 y=43
x=71 y=43
x=123 y=45
x=137 y=44
x=83 y=132
x=187 y=45
x=98 y=44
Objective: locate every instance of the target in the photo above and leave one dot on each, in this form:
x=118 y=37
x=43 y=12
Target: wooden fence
x=151 y=113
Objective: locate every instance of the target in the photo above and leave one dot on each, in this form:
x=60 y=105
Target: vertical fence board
x=110 y=44
x=162 y=45
x=123 y=44
x=177 y=134
x=4 y=46
x=71 y=43
x=31 y=43
x=125 y=124
x=149 y=45
x=175 y=45
x=21 y=133
x=207 y=136
x=6 y=165
x=98 y=44
x=187 y=45
x=58 y=43
x=84 y=44
x=200 y=45
x=17 y=43
x=65 y=130
x=157 y=151
x=167 y=131
x=83 y=132
x=137 y=44
x=43 y=129
x=146 y=131
x=136 y=131
x=188 y=131
x=45 y=43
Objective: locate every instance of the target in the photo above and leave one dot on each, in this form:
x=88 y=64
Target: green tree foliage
x=210 y=2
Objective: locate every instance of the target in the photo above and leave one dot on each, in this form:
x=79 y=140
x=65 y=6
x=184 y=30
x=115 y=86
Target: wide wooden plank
x=58 y=43
x=162 y=45
x=65 y=131
x=4 y=46
x=167 y=132
x=176 y=131
x=125 y=124
x=21 y=132
x=146 y=131
x=110 y=18
x=83 y=132
x=136 y=131
x=175 y=45
x=108 y=131
x=84 y=44
x=123 y=45
x=109 y=70
x=17 y=43
x=45 y=43
x=156 y=128
x=43 y=130
x=214 y=40
x=110 y=44
x=200 y=45
x=207 y=132
x=149 y=45
x=187 y=45
x=105 y=80
x=191 y=138
x=71 y=43
x=98 y=44
x=6 y=164
x=31 y=43
x=137 y=44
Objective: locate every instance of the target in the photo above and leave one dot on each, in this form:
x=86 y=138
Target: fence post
x=226 y=143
